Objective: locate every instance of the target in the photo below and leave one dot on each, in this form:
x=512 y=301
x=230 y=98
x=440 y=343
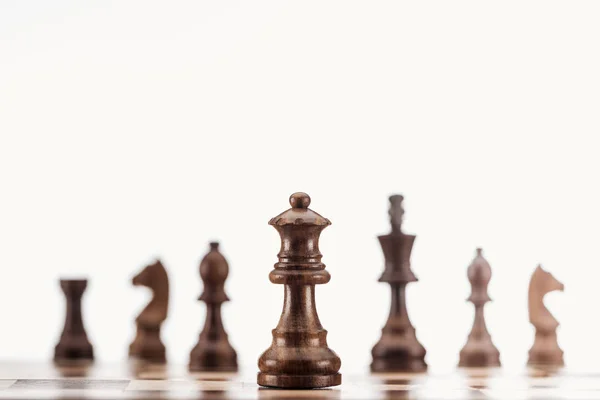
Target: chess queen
x=299 y=356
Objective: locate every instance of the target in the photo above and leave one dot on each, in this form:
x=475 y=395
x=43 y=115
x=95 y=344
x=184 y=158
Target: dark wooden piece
x=147 y=344
x=213 y=351
x=73 y=344
x=545 y=350
x=299 y=356
x=479 y=351
x=398 y=349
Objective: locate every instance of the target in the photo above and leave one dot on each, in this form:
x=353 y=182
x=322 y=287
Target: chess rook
x=398 y=349
x=479 y=351
x=147 y=344
x=299 y=356
x=73 y=344
x=545 y=350
x=213 y=351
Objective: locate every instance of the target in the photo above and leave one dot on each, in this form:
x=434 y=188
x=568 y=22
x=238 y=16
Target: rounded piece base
x=550 y=362
x=152 y=359
x=416 y=365
x=66 y=354
x=299 y=381
x=479 y=360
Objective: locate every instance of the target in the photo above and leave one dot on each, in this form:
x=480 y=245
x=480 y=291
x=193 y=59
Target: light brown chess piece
x=398 y=348
x=479 y=351
x=299 y=356
x=147 y=344
x=213 y=352
x=545 y=350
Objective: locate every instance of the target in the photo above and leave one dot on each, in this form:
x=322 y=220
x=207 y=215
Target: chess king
x=299 y=356
x=398 y=349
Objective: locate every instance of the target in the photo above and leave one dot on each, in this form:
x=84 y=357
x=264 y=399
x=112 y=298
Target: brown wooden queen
x=299 y=356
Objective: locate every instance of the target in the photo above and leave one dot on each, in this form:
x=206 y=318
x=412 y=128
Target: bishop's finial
x=479 y=273
x=396 y=212
x=214 y=270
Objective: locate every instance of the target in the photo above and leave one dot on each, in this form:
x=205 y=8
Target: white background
x=134 y=130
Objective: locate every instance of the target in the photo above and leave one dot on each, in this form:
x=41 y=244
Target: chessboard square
x=54 y=394
x=216 y=386
x=6 y=383
x=580 y=383
x=445 y=394
x=153 y=394
x=70 y=384
x=544 y=394
x=393 y=387
x=160 y=385
x=215 y=376
x=166 y=395
x=181 y=385
x=319 y=394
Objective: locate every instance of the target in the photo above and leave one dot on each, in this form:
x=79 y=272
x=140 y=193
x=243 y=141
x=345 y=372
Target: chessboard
x=143 y=381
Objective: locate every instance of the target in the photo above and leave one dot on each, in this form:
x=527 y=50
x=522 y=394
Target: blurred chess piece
x=545 y=350
x=398 y=349
x=147 y=345
x=479 y=351
x=213 y=351
x=73 y=344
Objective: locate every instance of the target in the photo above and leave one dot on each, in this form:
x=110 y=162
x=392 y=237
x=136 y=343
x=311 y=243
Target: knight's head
x=148 y=274
x=546 y=281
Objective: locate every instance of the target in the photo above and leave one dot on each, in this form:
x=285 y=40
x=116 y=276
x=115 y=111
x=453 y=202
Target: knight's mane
x=163 y=278
x=159 y=285
x=535 y=296
x=537 y=276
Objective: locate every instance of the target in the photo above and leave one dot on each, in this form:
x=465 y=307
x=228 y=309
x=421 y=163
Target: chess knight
x=147 y=344
x=545 y=350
